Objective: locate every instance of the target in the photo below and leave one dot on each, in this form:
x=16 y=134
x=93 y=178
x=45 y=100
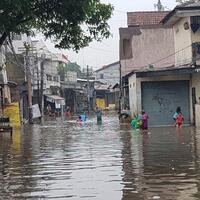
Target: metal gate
x=161 y=98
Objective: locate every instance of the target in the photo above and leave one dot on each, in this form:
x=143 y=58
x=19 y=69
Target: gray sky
x=106 y=52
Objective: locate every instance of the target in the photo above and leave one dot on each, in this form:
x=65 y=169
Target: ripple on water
x=64 y=160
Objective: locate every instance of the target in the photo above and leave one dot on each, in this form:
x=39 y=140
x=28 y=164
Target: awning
x=55 y=99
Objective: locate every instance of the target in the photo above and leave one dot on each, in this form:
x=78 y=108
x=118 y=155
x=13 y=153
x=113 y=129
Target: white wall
x=196 y=84
x=110 y=74
x=197 y=111
x=133 y=94
x=182 y=41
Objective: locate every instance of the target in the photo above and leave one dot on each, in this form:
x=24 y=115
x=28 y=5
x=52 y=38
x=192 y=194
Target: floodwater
x=65 y=160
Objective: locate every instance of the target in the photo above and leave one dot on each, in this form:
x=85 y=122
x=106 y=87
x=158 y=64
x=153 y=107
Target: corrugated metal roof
x=55 y=97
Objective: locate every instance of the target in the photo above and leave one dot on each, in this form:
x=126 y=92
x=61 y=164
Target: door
x=161 y=98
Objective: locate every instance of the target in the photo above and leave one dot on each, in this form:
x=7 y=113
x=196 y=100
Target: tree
x=71 y=66
x=71 y=24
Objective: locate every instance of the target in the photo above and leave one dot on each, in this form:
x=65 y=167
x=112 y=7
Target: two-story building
x=43 y=65
x=108 y=74
x=185 y=21
x=45 y=75
x=157 y=70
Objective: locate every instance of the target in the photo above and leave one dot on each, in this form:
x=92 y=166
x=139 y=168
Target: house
x=158 y=69
x=108 y=74
x=185 y=20
x=146 y=42
x=45 y=76
x=107 y=95
x=43 y=65
x=159 y=86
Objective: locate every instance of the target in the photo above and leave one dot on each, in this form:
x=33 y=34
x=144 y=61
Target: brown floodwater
x=66 y=160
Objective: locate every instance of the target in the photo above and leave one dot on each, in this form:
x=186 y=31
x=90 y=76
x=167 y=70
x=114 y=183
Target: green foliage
x=71 y=24
x=71 y=66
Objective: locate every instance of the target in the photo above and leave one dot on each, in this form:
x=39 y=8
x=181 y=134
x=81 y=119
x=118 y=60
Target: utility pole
x=120 y=87
x=42 y=86
x=28 y=79
x=88 y=90
x=38 y=81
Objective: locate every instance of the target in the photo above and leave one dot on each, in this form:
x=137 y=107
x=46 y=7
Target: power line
x=102 y=50
x=159 y=60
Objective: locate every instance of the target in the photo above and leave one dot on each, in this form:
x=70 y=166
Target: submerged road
x=66 y=160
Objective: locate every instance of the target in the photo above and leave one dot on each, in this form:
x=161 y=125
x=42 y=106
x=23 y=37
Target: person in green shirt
x=136 y=122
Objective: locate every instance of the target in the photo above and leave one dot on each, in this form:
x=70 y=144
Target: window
x=127 y=48
x=49 y=77
x=101 y=76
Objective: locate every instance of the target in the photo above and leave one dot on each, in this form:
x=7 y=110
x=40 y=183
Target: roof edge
x=174 y=11
x=107 y=66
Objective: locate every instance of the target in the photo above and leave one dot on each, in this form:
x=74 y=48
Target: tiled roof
x=145 y=18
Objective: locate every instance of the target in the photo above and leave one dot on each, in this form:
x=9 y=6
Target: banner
x=36 y=111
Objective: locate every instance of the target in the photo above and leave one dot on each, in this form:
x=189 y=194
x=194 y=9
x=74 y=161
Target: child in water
x=145 y=118
x=79 y=120
x=179 y=119
x=178 y=110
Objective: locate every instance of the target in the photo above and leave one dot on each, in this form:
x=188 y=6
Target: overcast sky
x=106 y=52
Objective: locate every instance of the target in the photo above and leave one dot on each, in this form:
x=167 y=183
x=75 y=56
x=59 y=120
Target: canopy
x=55 y=99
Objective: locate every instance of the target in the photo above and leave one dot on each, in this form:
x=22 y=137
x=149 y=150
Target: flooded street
x=64 y=160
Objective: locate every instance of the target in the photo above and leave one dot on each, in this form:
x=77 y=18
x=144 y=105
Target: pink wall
x=153 y=45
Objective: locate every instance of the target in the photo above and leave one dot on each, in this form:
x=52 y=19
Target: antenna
x=159 y=6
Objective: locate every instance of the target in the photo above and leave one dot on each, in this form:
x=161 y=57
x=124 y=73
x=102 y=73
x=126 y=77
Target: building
x=107 y=90
x=108 y=74
x=4 y=83
x=42 y=66
x=45 y=76
x=146 y=42
x=185 y=21
x=159 y=87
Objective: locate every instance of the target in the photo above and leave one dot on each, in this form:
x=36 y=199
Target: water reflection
x=62 y=160
x=166 y=163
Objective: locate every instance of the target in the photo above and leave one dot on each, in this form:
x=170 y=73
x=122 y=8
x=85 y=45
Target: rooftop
x=145 y=17
x=107 y=66
x=179 y=11
x=165 y=71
